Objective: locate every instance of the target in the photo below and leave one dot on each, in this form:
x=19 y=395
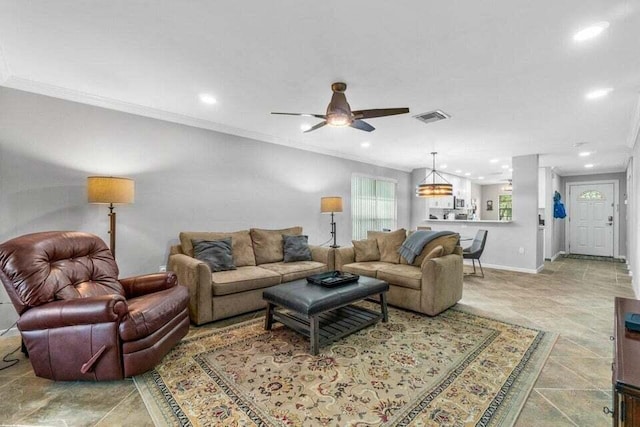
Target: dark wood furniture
x=324 y=314
x=626 y=367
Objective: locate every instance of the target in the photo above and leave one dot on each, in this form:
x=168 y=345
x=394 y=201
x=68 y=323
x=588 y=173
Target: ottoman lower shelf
x=332 y=324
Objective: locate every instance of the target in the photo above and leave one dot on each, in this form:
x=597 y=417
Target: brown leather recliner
x=77 y=320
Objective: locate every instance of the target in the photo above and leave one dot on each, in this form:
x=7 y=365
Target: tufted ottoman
x=324 y=314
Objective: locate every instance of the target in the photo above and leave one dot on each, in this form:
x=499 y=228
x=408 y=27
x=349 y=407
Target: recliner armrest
x=71 y=312
x=148 y=283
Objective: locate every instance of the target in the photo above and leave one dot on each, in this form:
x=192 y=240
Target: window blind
x=373 y=205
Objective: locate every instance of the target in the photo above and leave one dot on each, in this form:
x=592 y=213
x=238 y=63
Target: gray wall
x=633 y=219
x=186 y=179
x=622 y=195
x=491 y=192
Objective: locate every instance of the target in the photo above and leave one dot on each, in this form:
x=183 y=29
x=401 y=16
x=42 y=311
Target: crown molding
x=46 y=89
x=634 y=133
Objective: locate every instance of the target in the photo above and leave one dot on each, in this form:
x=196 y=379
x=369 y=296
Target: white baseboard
x=507 y=268
x=553 y=258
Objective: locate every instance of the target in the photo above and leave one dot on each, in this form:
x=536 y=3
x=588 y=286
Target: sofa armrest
x=324 y=255
x=73 y=312
x=148 y=283
x=441 y=283
x=458 y=250
x=344 y=256
x=196 y=276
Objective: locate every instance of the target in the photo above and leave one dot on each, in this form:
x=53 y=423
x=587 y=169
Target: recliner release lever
x=86 y=367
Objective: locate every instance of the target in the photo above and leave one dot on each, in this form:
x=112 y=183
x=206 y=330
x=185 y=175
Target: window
x=591 y=195
x=505 y=207
x=373 y=205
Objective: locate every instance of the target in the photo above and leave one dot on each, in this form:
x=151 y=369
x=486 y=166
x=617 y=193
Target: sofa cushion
x=367 y=268
x=243 y=279
x=366 y=250
x=241 y=245
x=295 y=270
x=268 y=244
x=406 y=276
x=389 y=243
x=436 y=252
x=215 y=253
x=448 y=243
x=296 y=248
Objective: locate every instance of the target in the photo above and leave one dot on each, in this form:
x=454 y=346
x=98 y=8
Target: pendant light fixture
x=433 y=188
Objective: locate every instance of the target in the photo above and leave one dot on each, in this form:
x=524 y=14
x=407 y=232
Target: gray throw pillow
x=216 y=253
x=296 y=248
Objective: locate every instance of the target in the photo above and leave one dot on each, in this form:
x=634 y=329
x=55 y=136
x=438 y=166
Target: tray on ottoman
x=332 y=279
x=324 y=314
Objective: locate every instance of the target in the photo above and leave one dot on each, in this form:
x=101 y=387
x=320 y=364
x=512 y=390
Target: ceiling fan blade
x=380 y=112
x=320 y=116
x=362 y=125
x=318 y=126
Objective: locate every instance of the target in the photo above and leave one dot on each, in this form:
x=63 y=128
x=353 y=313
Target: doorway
x=593 y=221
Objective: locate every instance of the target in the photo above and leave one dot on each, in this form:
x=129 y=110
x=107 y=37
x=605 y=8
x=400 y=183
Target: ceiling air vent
x=432 y=116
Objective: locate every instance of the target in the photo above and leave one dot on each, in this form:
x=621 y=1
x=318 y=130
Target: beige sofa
x=430 y=285
x=258 y=256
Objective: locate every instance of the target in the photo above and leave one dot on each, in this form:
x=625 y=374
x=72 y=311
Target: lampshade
x=331 y=204
x=109 y=189
x=434 y=188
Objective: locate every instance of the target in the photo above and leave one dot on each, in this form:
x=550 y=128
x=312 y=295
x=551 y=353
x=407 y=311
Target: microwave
x=458 y=203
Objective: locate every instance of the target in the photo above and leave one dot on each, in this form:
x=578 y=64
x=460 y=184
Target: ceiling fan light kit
x=339 y=112
x=434 y=188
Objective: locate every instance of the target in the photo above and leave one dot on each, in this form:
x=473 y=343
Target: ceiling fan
x=339 y=112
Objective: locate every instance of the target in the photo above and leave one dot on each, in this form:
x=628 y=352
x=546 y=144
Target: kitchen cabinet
x=445 y=202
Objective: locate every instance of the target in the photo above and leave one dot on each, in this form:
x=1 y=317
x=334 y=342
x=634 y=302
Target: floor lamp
x=331 y=205
x=110 y=190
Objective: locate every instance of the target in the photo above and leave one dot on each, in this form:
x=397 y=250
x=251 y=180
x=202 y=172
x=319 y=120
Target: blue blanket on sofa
x=415 y=243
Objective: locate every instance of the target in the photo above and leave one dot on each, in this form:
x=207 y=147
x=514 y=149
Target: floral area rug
x=451 y=370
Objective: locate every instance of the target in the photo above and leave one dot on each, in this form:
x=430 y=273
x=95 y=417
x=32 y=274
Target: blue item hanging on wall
x=558 y=206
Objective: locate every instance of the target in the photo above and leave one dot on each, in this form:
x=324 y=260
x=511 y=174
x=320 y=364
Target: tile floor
x=571 y=297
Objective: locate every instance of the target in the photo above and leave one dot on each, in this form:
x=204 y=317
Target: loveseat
x=430 y=284
x=258 y=262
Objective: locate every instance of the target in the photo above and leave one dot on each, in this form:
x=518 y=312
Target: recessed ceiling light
x=365 y=144
x=458 y=171
x=481 y=177
x=511 y=170
x=207 y=99
x=588 y=165
x=305 y=127
x=505 y=166
x=467 y=174
x=584 y=153
x=494 y=160
x=598 y=93
x=443 y=166
x=590 y=31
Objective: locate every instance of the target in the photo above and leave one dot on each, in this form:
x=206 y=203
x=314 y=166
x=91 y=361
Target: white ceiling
x=508 y=71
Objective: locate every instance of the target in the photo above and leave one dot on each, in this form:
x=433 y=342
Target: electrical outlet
x=162 y=269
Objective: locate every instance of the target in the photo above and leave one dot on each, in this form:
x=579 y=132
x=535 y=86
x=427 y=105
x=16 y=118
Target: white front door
x=591 y=219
